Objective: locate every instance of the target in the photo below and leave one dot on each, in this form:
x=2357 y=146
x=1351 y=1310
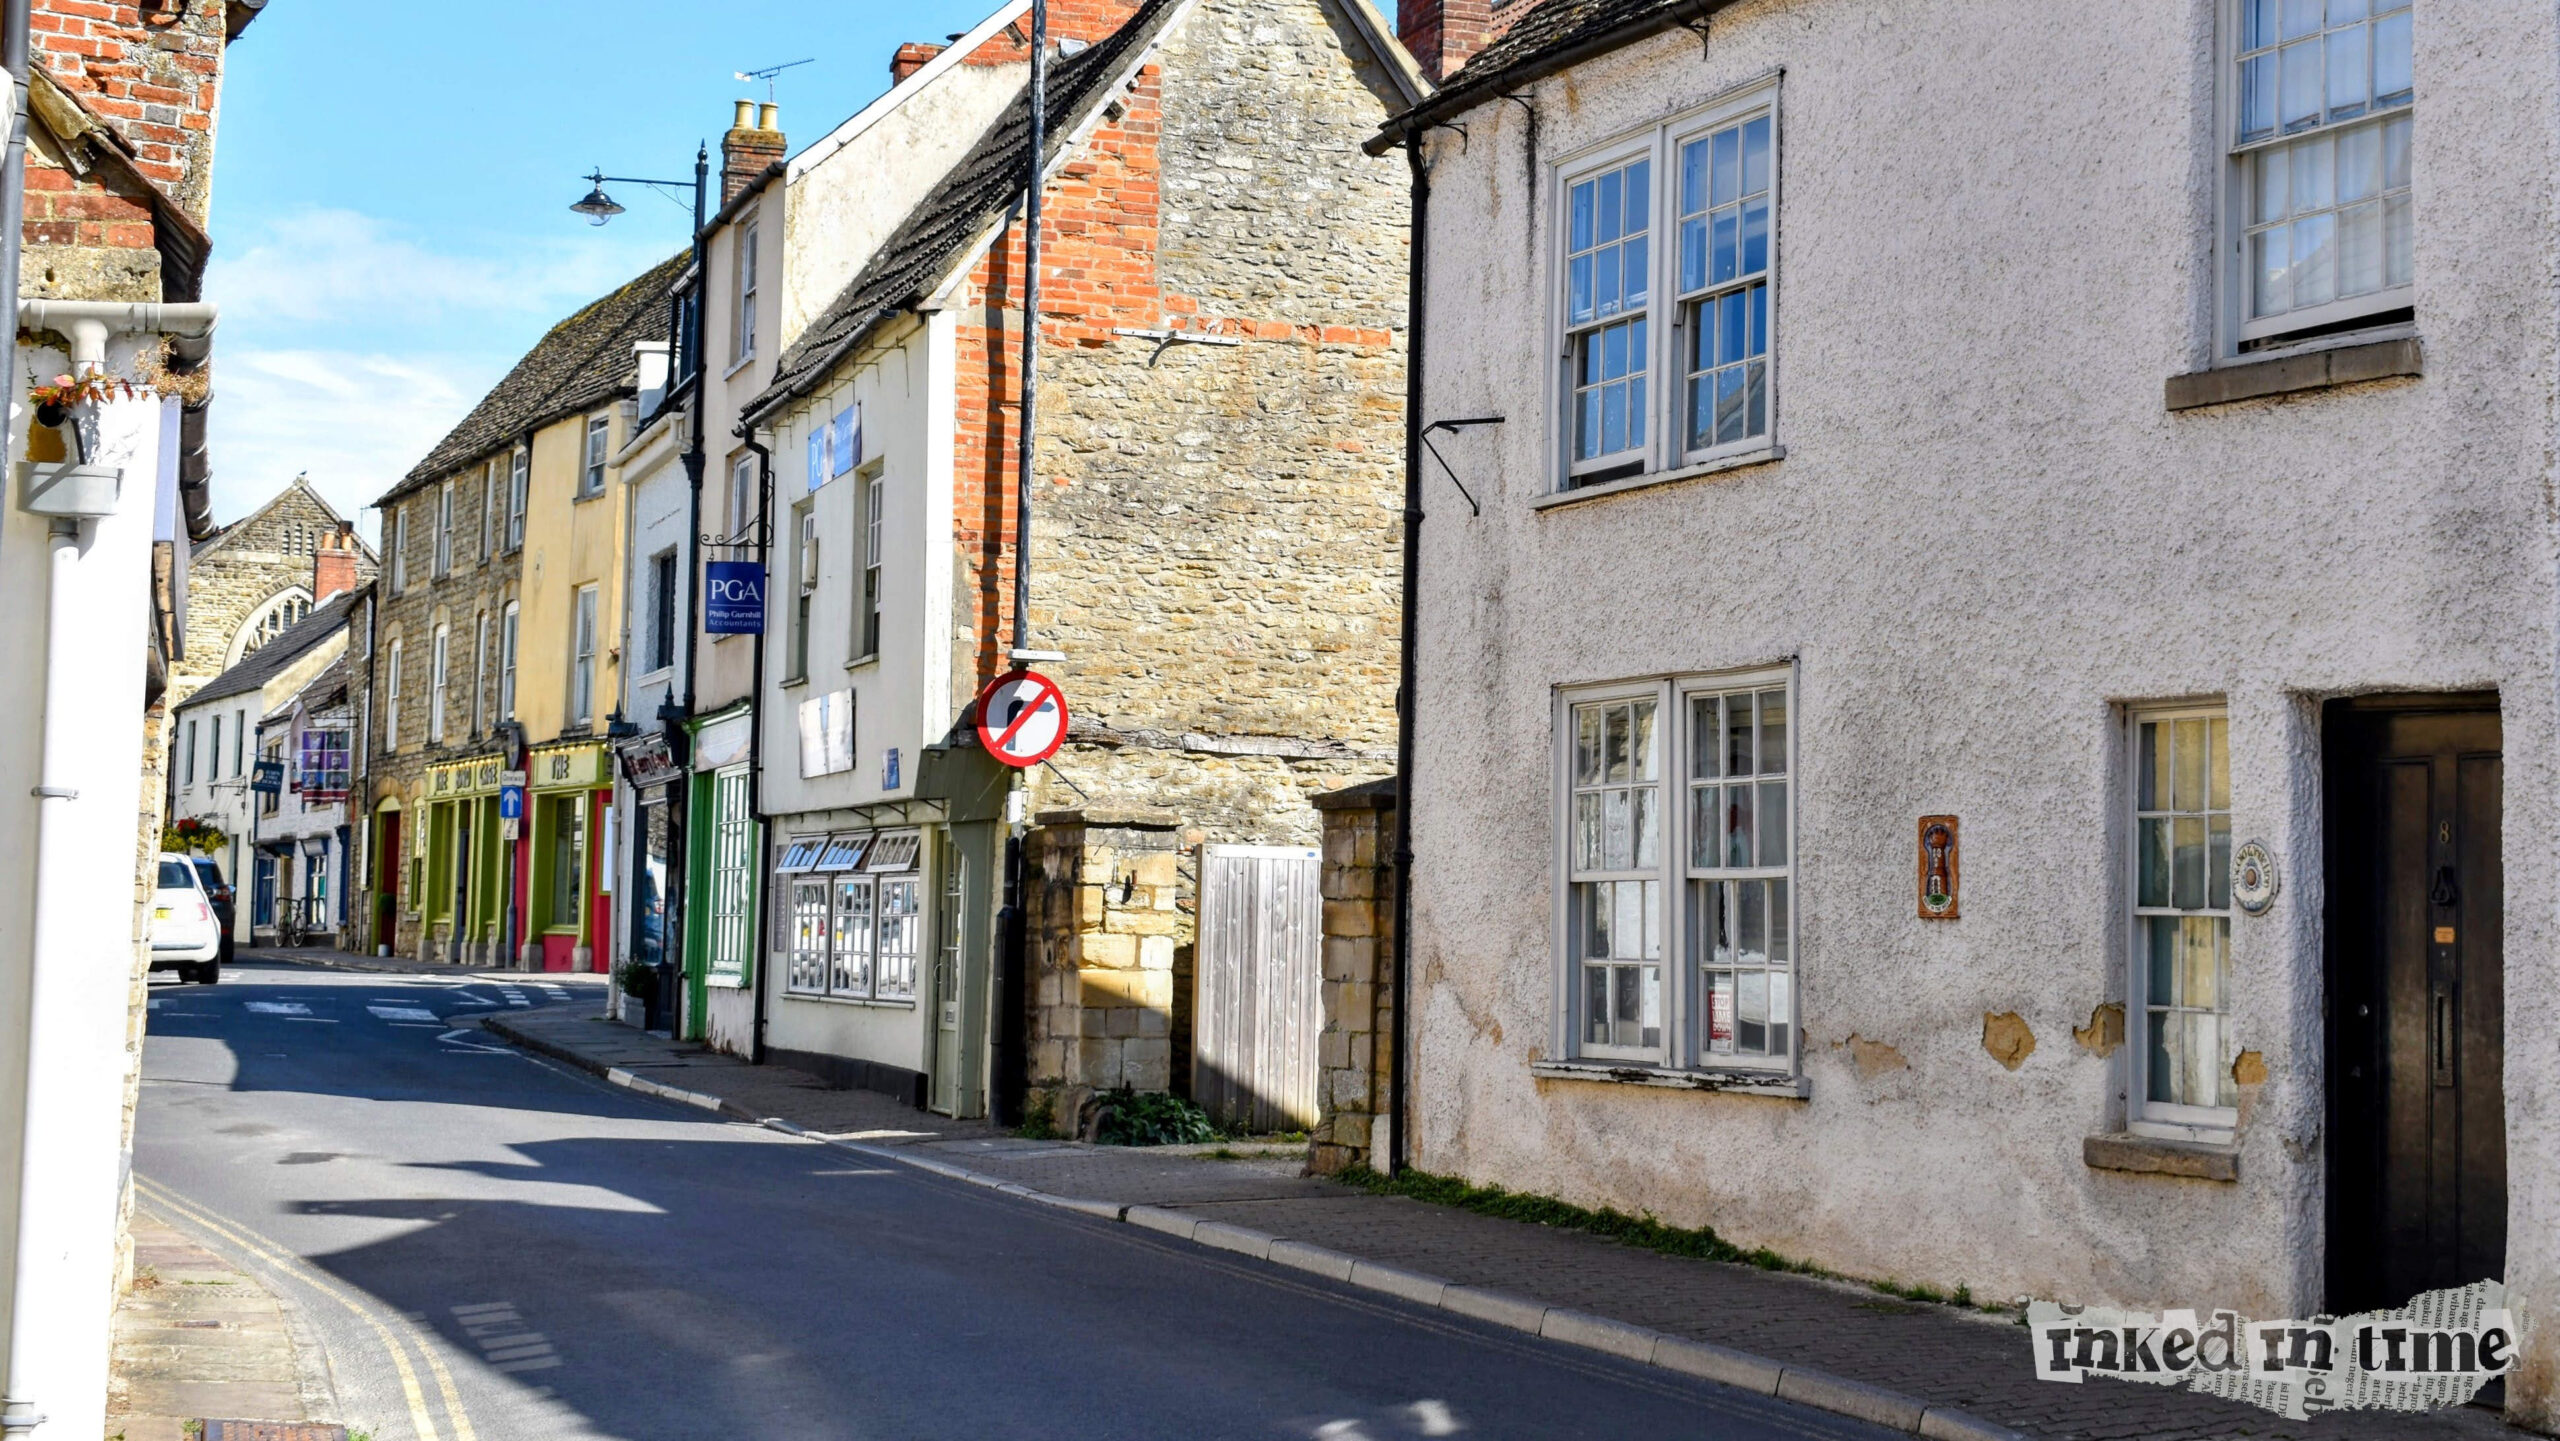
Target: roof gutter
x=1475 y=92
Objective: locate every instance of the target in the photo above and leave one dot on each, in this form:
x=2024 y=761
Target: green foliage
x=1039 y=1117
x=637 y=979
x=1154 y=1119
x=1701 y=1242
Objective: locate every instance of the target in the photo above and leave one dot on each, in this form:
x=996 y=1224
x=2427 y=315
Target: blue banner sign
x=734 y=590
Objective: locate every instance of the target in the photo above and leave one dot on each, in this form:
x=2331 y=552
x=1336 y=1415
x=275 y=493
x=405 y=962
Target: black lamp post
x=686 y=370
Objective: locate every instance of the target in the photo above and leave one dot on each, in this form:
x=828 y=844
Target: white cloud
x=341 y=268
x=355 y=421
x=349 y=348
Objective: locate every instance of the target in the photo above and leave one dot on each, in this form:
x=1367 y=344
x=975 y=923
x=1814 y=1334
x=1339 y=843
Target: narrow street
x=492 y=1246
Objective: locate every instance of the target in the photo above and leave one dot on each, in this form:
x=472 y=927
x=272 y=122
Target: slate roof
x=582 y=361
x=1555 y=34
x=986 y=183
x=262 y=664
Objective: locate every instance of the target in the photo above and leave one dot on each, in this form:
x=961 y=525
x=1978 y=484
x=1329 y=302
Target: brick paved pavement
x=197 y=1339
x=1974 y=1361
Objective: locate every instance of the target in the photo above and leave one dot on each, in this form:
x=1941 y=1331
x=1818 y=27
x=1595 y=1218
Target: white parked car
x=186 y=936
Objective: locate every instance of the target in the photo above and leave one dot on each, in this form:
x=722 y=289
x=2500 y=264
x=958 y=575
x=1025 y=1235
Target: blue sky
x=391 y=190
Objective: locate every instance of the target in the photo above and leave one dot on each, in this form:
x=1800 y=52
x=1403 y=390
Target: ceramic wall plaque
x=2253 y=878
x=1939 y=874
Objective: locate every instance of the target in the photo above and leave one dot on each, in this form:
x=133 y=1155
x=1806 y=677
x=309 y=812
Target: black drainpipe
x=1399 y=1053
x=755 y=737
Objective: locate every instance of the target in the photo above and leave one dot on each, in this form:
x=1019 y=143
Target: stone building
x=256 y=576
x=1213 y=552
x=1996 y=725
x=495 y=649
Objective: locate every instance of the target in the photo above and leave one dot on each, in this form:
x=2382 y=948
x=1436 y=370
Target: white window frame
x=2144 y=1116
x=742 y=485
x=743 y=320
x=519 y=493
x=583 y=621
x=2242 y=337
x=804 y=590
x=599 y=449
x=444 y=529
x=507 y=663
x=399 y=547
x=663 y=627
x=480 y=673
x=1684 y=1042
x=391 y=699
x=439 y=654
x=866 y=596
x=489 y=504
x=1666 y=309
x=191 y=752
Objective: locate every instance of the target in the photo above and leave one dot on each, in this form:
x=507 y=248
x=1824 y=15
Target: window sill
x=792 y=682
x=862 y=660
x=1717 y=466
x=741 y=363
x=2153 y=1155
x=582 y=497
x=2292 y=374
x=1741 y=1082
x=865 y=1002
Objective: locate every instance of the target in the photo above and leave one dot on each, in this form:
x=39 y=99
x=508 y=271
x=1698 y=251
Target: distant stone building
x=1213 y=551
x=254 y=578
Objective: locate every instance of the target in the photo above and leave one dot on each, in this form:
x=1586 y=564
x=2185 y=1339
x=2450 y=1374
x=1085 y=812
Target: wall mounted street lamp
x=598 y=207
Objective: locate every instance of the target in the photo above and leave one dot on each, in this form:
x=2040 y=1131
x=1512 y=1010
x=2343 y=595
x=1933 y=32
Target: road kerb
x=1803 y=1386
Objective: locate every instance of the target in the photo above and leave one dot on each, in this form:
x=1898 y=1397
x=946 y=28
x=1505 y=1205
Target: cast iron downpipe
x=1417 y=272
x=688 y=335
x=755 y=735
x=1030 y=329
x=13 y=178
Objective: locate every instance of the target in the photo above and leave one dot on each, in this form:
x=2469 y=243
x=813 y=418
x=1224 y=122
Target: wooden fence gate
x=1256 y=1008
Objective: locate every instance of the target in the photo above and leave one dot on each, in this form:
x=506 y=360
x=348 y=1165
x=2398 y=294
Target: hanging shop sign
x=649 y=761
x=733 y=593
x=1022 y=718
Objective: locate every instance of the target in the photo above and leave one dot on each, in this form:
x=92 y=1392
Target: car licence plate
x=160 y=913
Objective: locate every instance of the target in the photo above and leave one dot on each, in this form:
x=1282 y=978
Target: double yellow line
x=390 y=1329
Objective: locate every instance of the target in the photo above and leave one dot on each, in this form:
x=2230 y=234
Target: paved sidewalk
x=1973 y=1362
x=197 y=1340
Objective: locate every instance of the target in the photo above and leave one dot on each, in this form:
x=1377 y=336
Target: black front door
x=2416 y=1007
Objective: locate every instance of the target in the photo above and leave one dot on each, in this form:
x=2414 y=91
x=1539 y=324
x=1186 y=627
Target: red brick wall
x=155 y=76
x=1086 y=20
x=1098 y=273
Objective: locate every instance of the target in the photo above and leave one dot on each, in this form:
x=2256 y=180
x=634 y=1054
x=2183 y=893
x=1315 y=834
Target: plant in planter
x=60 y=408
x=1156 y=1119
x=637 y=983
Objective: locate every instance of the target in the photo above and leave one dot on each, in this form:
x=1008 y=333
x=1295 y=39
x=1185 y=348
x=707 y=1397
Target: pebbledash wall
x=1987 y=535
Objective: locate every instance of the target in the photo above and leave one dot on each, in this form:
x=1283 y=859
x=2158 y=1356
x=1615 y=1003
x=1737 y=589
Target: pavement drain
x=197 y=1325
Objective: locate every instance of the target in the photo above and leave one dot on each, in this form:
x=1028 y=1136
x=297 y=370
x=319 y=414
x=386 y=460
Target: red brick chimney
x=1091 y=21
x=333 y=565
x=911 y=58
x=1444 y=34
x=753 y=142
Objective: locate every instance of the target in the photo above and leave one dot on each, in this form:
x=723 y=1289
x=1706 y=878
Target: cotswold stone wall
x=232 y=578
x=476 y=585
x=1103 y=886
x=1355 y=1051
x=1216 y=522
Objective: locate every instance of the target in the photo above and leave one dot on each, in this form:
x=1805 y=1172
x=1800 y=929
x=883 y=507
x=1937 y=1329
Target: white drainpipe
x=81 y=957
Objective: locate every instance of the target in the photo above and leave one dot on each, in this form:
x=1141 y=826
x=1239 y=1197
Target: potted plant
x=62 y=442
x=636 y=982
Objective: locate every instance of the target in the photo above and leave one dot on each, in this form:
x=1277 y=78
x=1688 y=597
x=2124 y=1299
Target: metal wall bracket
x=1167 y=339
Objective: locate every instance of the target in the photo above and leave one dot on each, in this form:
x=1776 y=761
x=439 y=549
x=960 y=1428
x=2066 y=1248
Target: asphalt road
x=492 y=1247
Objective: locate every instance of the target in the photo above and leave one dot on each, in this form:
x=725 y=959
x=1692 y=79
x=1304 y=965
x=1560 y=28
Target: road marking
x=403 y=1013
x=514 y=996
x=275 y=1255
x=461 y=1040
x=557 y=993
x=276 y=1008
x=504 y=1343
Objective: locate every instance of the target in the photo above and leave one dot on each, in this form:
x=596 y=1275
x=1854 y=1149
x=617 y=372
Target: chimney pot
x=333 y=565
x=769 y=116
x=749 y=147
x=746 y=118
x=910 y=58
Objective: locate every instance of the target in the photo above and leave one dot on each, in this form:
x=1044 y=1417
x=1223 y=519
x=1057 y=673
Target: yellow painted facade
x=573 y=542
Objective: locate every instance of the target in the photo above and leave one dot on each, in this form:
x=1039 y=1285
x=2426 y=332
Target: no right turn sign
x=1022 y=718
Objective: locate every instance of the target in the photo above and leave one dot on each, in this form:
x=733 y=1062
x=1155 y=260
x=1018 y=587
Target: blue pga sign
x=734 y=590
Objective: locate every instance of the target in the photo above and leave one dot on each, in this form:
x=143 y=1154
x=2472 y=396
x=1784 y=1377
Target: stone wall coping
x=1131 y=818
x=1377 y=795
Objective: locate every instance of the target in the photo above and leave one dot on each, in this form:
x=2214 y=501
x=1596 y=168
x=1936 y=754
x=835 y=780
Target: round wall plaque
x=2253 y=878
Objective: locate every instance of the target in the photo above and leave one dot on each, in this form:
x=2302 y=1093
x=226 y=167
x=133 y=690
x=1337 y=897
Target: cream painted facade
x=573 y=546
x=1985 y=531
